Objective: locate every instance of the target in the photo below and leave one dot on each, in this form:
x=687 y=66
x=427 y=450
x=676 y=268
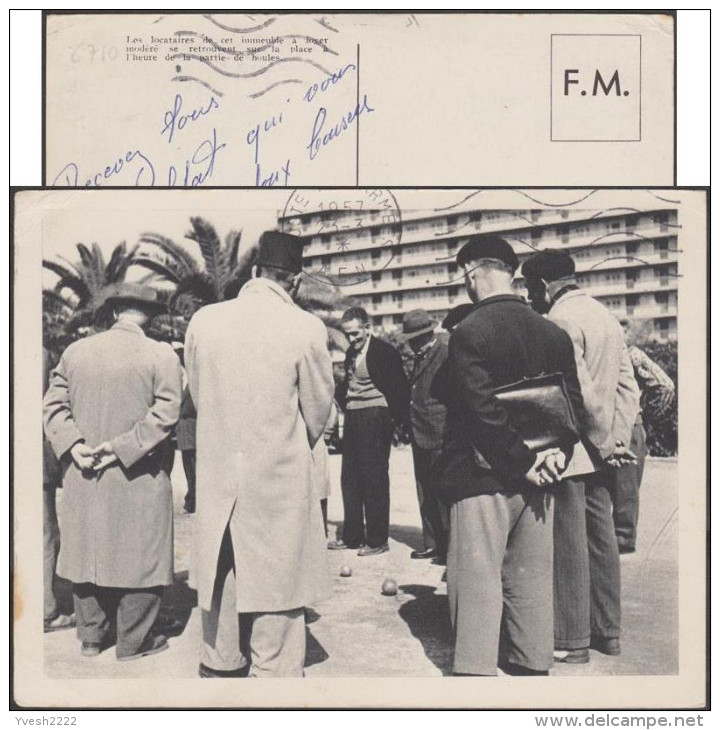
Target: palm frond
x=184 y=261
x=211 y=249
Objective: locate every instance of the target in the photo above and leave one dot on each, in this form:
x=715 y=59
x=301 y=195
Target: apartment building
x=625 y=258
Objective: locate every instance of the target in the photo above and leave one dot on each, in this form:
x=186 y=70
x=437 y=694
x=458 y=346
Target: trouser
x=188 y=460
x=272 y=643
x=51 y=549
x=433 y=512
x=132 y=610
x=367 y=439
x=323 y=509
x=587 y=562
x=500 y=575
x=626 y=494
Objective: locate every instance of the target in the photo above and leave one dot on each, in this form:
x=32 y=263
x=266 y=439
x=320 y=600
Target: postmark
x=351 y=236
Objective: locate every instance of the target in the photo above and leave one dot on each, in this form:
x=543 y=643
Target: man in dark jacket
x=427 y=423
x=375 y=397
x=501 y=538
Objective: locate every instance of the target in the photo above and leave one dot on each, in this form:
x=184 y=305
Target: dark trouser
x=367 y=439
x=433 y=512
x=188 y=460
x=323 y=509
x=134 y=612
x=626 y=495
x=51 y=549
x=587 y=562
x=500 y=562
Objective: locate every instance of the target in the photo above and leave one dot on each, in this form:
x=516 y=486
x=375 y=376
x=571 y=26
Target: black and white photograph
x=429 y=447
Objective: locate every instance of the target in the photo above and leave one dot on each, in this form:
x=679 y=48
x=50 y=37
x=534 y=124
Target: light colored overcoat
x=260 y=376
x=605 y=373
x=118 y=386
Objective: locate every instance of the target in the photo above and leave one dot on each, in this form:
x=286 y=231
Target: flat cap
x=549 y=266
x=487 y=247
x=280 y=250
x=415 y=323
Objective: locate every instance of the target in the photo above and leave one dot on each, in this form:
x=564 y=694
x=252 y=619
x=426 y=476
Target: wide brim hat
x=415 y=323
x=143 y=296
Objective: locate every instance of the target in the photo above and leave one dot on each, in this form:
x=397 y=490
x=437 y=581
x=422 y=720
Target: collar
x=426 y=348
x=128 y=327
x=500 y=298
x=566 y=294
x=262 y=284
x=364 y=349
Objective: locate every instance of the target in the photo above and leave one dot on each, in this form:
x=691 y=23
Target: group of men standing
x=530 y=553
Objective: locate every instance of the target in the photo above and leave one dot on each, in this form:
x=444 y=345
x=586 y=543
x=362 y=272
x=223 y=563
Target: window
x=397 y=274
x=397 y=318
x=377 y=298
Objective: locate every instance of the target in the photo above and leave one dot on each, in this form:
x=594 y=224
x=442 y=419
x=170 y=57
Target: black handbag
x=539 y=409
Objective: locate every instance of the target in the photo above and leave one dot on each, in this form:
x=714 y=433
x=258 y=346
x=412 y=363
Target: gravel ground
x=360 y=632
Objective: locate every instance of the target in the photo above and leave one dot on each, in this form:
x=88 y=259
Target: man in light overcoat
x=109 y=411
x=586 y=561
x=260 y=376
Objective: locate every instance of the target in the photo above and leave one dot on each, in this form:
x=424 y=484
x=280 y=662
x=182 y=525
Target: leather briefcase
x=539 y=409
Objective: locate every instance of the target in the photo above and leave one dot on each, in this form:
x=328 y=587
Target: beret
x=487 y=247
x=549 y=266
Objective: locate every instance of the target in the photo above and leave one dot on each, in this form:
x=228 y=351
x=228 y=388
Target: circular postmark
x=351 y=235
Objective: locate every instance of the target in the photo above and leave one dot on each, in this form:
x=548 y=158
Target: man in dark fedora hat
x=109 y=412
x=500 y=547
x=260 y=376
x=427 y=424
x=587 y=564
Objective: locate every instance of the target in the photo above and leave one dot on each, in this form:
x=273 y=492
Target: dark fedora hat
x=487 y=247
x=281 y=251
x=416 y=323
x=138 y=294
x=549 y=266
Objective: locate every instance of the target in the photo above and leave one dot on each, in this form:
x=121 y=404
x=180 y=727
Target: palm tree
x=221 y=274
x=70 y=307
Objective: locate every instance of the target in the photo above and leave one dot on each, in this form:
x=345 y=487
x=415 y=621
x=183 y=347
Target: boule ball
x=389 y=587
x=345 y=571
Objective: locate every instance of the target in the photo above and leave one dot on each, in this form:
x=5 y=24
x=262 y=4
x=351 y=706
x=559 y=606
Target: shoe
x=337 y=545
x=207 y=673
x=625 y=549
x=425 y=554
x=572 y=656
x=90 y=648
x=605 y=645
x=151 y=645
x=365 y=551
x=59 y=623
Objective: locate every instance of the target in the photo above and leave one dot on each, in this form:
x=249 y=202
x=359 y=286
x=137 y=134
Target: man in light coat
x=109 y=411
x=587 y=565
x=260 y=376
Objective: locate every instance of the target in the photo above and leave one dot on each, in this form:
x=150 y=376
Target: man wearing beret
x=501 y=540
x=587 y=565
x=109 y=412
x=260 y=376
x=427 y=423
x=375 y=397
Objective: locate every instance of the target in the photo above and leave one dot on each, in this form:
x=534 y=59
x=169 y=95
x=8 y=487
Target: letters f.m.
x=598 y=81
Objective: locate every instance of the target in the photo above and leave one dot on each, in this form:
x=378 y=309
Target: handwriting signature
x=320 y=139
x=145 y=174
x=174 y=120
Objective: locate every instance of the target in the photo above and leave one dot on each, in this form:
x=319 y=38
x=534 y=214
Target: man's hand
x=104 y=456
x=83 y=456
x=621 y=456
x=547 y=469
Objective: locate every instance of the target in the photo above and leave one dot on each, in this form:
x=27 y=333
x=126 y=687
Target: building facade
x=625 y=258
